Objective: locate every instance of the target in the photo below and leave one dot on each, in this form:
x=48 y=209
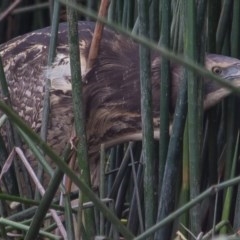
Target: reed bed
x=184 y=186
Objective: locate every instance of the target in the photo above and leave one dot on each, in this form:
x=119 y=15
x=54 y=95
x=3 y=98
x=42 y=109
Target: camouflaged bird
x=111 y=87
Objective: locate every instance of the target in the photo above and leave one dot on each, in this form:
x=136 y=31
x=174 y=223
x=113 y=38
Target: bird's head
x=228 y=69
x=225 y=67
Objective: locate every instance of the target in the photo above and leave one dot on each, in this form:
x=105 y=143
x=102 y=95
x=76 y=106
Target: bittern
x=111 y=87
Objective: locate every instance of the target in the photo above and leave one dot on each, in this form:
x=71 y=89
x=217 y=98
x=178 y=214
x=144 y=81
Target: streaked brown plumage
x=111 y=87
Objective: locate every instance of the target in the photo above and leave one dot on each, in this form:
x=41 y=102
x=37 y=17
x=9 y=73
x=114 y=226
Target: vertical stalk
x=235 y=52
x=91 y=5
x=146 y=109
x=172 y=168
x=212 y=25
x=184 y=194
x=79 y=116
x=223 y=24
x=227 y=206
x=119 y=11
x=235 y=35
x=154 y=18
x=97 y=35
x=125 y=13
x=213 y=11
x=112 y=10
x=102 y=186
x=177 y=26
x=190 y=49
x=46 y=100
x=128 y=14
x=200 y=55
x=165 y=90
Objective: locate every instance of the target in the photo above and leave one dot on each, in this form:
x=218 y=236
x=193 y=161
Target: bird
x=111 y=87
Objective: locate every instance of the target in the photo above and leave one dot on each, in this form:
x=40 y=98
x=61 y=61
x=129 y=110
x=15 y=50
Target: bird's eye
x=217 y=70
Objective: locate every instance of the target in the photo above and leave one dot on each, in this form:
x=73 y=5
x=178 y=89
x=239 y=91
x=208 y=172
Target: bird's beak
x=233 y=72
x=233 y=75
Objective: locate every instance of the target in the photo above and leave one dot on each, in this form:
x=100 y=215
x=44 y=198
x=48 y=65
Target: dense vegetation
x=187 y=184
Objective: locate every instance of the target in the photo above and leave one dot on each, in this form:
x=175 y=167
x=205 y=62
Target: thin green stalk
x=102 y=185
x=229 y=193
x=165 y=91
x=146 y=111
x=184 y=195
x=201 y=51
x=112 y=10
x=136 y=24
x=211 y=156
x=235 y=35
x=128 y=14
x=79 y=116
x=236 y=221
x=172 y=167
x=212 y=8
x=177 y=26
x=119 y=11
x=46 y=100
x=230 y=135
x=190 y=49
x=77 y=86
x=3 y=6
x=38 y=19
x=92 y=5
x=223 y=24
x=30 y=8
x=125 y=13
x=154 y=19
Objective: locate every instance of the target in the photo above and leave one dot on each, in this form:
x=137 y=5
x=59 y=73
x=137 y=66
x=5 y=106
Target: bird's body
x=111 y=88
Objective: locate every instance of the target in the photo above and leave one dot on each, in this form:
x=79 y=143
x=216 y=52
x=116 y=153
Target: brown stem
x=93 y=52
